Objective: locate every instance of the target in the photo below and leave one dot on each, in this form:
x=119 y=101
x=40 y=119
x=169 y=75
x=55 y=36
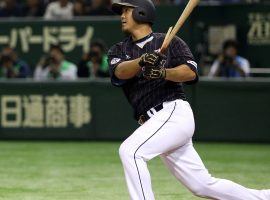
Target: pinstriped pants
x=168 y=134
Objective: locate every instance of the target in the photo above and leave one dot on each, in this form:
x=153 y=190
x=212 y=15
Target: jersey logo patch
x=192 y=63
x=115 y=60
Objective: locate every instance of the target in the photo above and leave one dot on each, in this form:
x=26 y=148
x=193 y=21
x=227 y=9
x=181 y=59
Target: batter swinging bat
x=171 y=33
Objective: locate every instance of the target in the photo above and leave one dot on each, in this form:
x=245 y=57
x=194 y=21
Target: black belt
x=144 y=117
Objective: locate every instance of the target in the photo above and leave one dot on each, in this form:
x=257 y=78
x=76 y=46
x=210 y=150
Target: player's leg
x=186 y=165
x=168 y=129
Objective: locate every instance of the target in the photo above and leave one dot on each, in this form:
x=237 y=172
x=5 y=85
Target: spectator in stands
x=79 y=8
x=33 y=8
x=42 y=68
x=12 y=66
x=100 y=7
x=11 y=9
x=94 y=64
x=55 y=66
x=229 y=64
x=59 y=10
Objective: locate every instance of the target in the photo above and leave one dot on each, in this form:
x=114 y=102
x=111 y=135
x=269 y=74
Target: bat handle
x=165 y=41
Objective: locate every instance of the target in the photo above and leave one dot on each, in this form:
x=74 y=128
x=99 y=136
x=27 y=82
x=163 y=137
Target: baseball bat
x=188 y=9
x=168 y=33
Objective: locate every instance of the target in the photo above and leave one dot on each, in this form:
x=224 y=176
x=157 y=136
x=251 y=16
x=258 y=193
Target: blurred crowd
x=66 y=9
x=56 y=66
x=59 y=9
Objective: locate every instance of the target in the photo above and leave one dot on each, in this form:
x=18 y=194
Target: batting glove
x=153 y=72
x=151 y=59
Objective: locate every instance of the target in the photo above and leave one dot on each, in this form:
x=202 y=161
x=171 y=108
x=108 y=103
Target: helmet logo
x=141 y=13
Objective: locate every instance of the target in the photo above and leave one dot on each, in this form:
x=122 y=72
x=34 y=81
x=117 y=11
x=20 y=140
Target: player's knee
x=122 y=150
x=125 y=152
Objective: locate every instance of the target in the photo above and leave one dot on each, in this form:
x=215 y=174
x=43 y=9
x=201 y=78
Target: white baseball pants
x=168 y=134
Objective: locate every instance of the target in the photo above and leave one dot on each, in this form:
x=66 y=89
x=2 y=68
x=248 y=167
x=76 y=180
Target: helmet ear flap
x=140 y=15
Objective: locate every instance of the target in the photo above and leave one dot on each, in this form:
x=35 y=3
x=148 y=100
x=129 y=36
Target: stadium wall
x=225 y=110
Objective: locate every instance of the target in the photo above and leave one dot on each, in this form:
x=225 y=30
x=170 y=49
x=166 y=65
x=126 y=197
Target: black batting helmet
x=144 y=10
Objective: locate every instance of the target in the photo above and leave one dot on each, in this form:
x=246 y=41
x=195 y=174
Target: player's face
x=128 y=23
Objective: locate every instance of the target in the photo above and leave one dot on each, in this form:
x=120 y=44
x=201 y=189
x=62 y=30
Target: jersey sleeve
x=181 y=54
x=115 y=57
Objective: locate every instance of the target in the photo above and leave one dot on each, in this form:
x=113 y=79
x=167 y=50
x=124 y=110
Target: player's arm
x=127 y=69
x=121 y=69
x=185 y=69
x=182 y=73
x=185 y=73
x=115 y=58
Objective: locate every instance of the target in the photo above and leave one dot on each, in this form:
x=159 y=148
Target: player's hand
x=154 y=72
x=151 y=59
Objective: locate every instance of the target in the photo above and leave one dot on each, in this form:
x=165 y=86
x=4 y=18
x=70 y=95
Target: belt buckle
x=141 y=120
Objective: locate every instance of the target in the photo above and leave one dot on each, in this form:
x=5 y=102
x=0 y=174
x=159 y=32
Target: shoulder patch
x=115 y=61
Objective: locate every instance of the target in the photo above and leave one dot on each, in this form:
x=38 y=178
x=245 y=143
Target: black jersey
x=144 y=94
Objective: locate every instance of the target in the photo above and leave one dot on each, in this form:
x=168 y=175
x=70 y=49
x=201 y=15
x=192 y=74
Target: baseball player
x=153 y=86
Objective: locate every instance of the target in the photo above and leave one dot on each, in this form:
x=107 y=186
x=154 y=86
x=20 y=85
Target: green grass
x=92 y=171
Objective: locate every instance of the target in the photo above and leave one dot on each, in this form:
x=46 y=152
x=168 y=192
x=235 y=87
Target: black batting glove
x=151 y=59
x=154 y=72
